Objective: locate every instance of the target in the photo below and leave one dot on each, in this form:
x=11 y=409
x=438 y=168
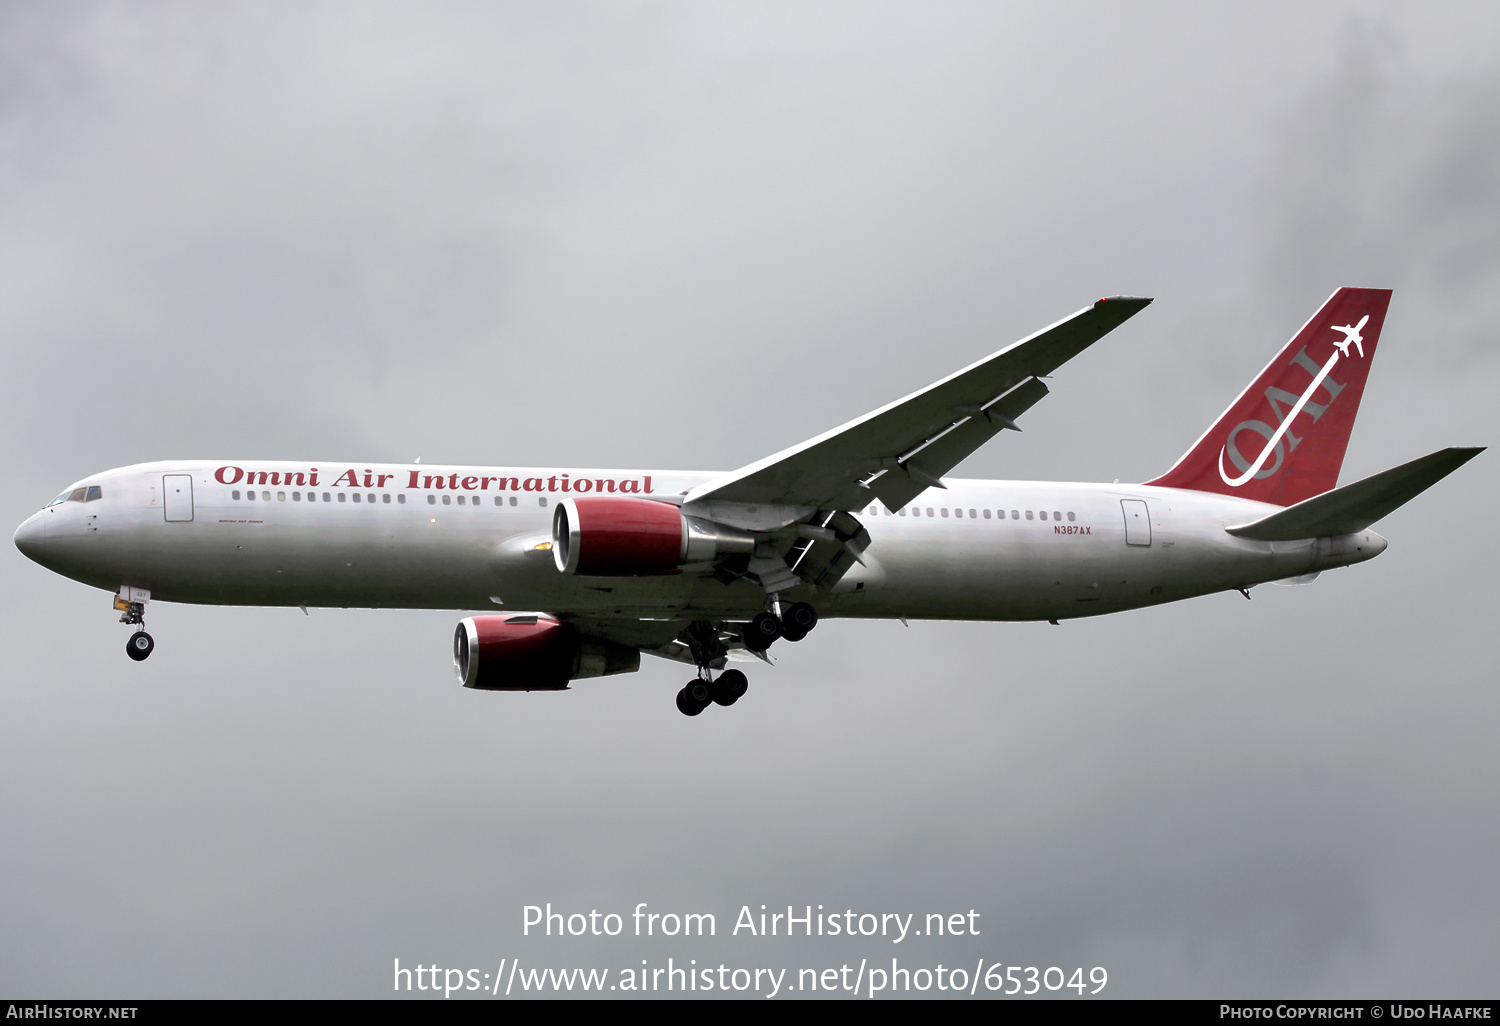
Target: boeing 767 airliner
x=582 y=570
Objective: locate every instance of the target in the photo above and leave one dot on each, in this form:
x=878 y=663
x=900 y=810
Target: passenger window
x=343 y=497
x=499 y=501
x=929 y=511
x=447 y=500
x=461 y=500
x=1042 y=514
x=370 y=497
x=95 y=492
x=235 y=494
x=265 y=496
x=250 y=496
x=296 y=496
x=1028 y=514
x=945 y=512
x=385 y=497
x=1070 y=515
x=431 y=500
x=1015 y=514
x=972 y=514
x=1056 y=515
x=326 y=497
x=355 y=496
x=512 y=500
x=986 y=514
x=541 y=500
x=401 y=500
x=281 y=496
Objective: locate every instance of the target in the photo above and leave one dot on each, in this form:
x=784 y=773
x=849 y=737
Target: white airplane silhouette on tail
x=1352 y=337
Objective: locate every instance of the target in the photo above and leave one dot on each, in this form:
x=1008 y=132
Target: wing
x=900 y=450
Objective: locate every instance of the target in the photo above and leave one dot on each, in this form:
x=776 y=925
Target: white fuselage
x=388 y=536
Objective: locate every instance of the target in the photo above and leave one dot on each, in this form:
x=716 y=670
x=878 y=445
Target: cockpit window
x=95 y=492
x=59 y=500
x=76 y=495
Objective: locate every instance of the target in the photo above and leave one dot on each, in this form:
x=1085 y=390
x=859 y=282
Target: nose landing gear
x=132 y=605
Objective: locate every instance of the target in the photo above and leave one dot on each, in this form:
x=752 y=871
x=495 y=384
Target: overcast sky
x=689 y=235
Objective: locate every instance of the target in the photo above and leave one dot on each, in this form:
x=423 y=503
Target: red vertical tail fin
x=1283 y=439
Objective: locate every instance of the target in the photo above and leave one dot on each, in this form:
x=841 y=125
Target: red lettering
x=353 y=481
x=453 y=481
x=513 y=484
x=428 y=481
x=599 y=485
x=632 y=486
x=470 y=483
x=583 y=484
x=219 y=475
x=314 y=479
x=648 y=485
x=532 y=484
x=412 y=481
x=367 y=479
x=551 y=484
x=484 y=483
x=565 y=482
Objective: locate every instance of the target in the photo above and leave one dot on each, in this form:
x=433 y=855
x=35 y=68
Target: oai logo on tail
x=1352 y=337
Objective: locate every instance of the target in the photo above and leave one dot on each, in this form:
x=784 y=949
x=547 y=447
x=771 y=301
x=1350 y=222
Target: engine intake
x=627 y=537
x=532 y=652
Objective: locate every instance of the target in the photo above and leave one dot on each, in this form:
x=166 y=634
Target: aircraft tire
x=139 y=645
x=801 y=617
x=730 y=685
x=687 y=706
x=761 y=631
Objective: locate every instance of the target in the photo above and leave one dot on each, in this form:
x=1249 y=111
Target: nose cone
x=31 y=536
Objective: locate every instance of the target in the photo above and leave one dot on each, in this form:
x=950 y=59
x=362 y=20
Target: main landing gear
x=728 y=687
x=725 y=689
x=798 y=620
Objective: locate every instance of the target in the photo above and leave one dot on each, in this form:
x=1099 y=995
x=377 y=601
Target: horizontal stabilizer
x=1356 y=506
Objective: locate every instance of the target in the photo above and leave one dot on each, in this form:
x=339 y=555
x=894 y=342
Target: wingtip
x=1137 y=300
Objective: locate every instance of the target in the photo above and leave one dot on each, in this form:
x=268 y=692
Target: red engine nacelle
x=627 y=537
x=532 y=652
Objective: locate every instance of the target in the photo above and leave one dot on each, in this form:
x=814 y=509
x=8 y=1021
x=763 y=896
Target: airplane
x=580 y=571
x=1352 y=337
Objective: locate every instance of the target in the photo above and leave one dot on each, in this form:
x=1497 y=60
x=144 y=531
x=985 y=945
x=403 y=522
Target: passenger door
x=1137 y=522
x=177 y=497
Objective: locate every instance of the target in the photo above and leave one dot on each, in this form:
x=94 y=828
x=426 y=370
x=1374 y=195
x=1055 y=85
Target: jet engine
x=627 y=537
x=532 y=652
